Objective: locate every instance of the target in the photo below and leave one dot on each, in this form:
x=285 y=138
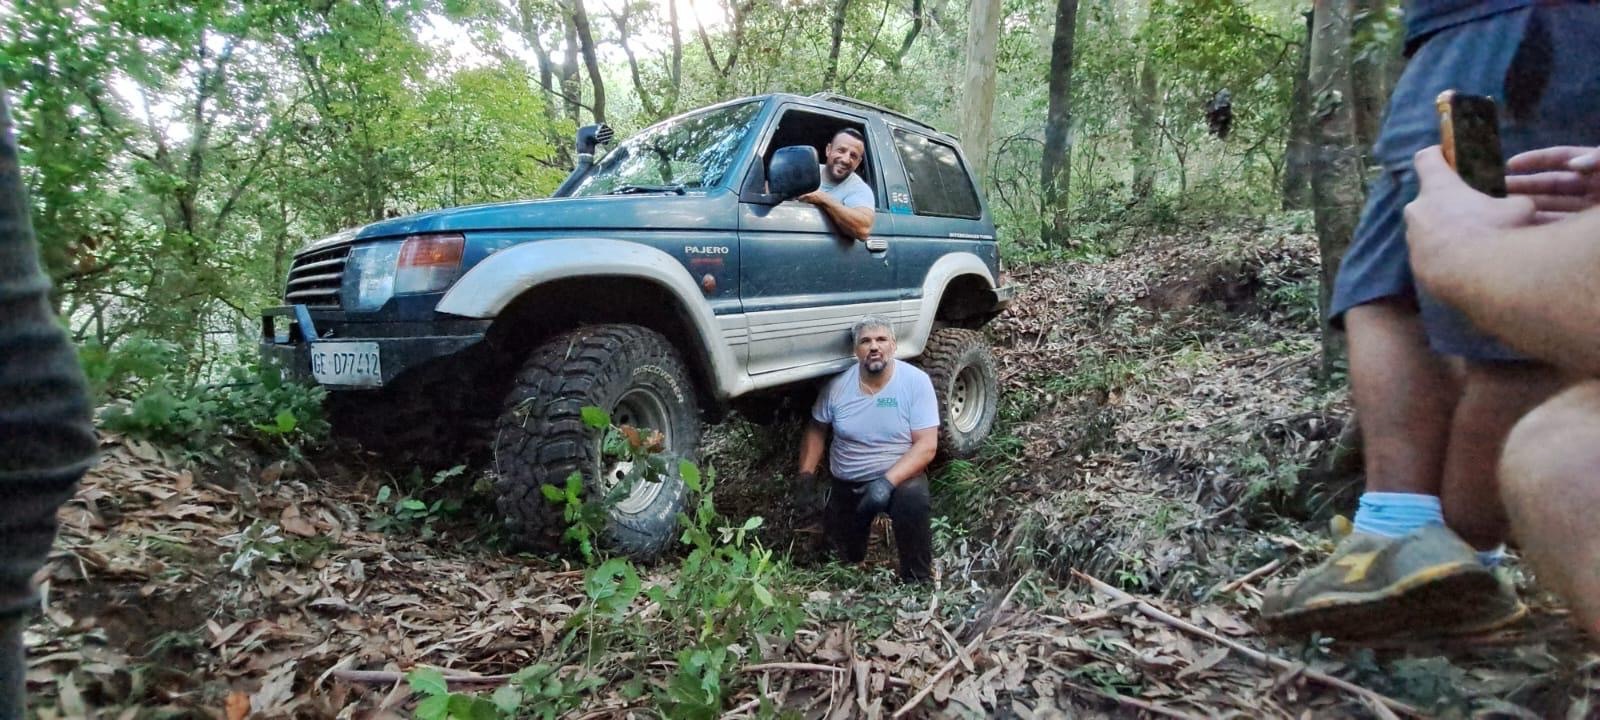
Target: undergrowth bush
x=723 y=602
x=151 y=390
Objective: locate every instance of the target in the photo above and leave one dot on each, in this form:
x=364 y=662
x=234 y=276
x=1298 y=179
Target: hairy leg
x=1495 y=396
x=1550 y=479
x=1404 y=395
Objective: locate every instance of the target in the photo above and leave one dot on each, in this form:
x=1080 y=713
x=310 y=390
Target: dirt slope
x=1161 y=409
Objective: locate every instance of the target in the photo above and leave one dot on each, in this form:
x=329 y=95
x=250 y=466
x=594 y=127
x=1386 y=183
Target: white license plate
x=346 y=363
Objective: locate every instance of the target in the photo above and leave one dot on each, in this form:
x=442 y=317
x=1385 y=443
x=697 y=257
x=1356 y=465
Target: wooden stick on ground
x=1255 y=574
x=933 y=681
x=1144 y=705
x=385 y=677
x=1250 y=652
x=808 y=667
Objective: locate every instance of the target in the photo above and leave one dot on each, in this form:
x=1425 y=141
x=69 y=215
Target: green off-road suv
x=671 y=279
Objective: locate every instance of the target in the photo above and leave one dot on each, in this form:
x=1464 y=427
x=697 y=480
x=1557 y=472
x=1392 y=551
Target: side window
x=939 y=184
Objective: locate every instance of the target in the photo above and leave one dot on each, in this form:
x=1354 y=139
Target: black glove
x=806 y=479
x=874 y=494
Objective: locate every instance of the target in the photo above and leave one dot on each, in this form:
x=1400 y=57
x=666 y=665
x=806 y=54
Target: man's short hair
x=850 y=132
x=869 y=322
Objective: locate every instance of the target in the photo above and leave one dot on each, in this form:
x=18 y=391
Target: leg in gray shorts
x=1552 y=47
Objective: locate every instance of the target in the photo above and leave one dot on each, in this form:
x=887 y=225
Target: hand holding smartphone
x=1469 y=135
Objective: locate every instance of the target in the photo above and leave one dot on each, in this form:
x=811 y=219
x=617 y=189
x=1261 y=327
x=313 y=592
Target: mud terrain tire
x=968 y=385
x=540 y=439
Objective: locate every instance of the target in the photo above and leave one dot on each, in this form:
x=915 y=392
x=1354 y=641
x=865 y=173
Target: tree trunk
x=977 y=102
x=911 y=35
x=651 y=110
x=670 y=105
x=832 y=73
x=1055 y=163
x=1144 y=131
x=1373 y=71
x=568 y=73
x=1336 y=175
x=1297 y=152
x=580 y=26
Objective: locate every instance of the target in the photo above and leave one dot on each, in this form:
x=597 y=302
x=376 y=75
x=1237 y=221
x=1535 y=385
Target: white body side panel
x=818 y=337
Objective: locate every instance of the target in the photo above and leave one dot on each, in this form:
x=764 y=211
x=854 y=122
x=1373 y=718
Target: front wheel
x=636 y=376
x=968 y=385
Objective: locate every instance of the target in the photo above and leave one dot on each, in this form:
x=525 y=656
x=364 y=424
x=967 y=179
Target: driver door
x=802 y=282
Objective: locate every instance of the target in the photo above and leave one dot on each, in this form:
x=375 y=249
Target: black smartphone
x=1469 y=134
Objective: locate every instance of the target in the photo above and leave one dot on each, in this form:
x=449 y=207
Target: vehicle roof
x=843 y=102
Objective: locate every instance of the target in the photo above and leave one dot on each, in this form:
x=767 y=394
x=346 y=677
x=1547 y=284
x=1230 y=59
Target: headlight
x=369 y=275
x=421 y=263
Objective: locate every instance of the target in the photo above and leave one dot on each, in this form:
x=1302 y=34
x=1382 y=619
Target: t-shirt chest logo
x=888 y=402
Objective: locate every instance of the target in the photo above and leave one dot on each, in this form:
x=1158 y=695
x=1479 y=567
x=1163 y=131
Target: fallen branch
x=960 y=656
x=1255 y=574
x=386 y=677
x=1133 y=702
x=1250 y=652
x=808 y=667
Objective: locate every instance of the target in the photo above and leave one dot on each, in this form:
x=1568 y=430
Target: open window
x=803 y=127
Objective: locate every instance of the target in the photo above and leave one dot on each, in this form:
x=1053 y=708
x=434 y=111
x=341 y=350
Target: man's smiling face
x=844 y=155
x=874 y=349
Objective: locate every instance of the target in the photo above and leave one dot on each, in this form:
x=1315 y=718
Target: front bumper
x=287 y=334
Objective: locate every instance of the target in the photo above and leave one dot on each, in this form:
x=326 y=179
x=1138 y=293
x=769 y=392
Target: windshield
x=691 y=153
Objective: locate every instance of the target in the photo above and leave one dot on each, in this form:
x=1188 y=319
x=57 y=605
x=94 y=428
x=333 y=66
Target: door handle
x=877 y=245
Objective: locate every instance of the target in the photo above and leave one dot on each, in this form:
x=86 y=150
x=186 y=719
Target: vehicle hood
x=631 y=212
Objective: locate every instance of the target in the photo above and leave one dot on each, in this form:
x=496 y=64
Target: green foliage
x=264 y=543
x=724 y=592
x=586 y=514
x=161 y=401
x=724 y=597
x=403 y=507
x=537 y=691
x=441 y=704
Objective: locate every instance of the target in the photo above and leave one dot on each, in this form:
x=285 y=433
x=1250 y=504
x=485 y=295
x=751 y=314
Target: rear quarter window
x=939 y=183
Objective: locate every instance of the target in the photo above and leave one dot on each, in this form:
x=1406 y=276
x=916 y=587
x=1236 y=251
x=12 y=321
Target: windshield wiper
x=637 y=189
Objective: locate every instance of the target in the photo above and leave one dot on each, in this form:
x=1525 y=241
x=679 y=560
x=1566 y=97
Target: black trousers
x=848 y=530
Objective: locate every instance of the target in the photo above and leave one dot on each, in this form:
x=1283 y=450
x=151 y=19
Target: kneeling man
x=885 y=421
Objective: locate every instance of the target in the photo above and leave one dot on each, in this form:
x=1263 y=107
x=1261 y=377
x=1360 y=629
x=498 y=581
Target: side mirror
x=793 y=172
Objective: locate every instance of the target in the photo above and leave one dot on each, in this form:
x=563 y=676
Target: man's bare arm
x=1530 y=285
x=855 y=222
x=924 y=443
x=812 y=444
x=1534 y=288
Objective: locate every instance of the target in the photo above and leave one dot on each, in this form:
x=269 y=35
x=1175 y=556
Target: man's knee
x=1554 y=445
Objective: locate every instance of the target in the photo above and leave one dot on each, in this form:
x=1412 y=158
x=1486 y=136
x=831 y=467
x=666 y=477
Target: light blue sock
x=1392 y=515
x=1493 y=558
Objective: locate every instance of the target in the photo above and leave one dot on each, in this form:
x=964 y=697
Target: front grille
x=315 y=278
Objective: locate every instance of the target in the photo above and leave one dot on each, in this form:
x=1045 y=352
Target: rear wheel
x=636 y=376
x=964 y=376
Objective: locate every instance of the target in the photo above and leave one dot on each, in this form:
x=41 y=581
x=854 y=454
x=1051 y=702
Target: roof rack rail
x=864 y=105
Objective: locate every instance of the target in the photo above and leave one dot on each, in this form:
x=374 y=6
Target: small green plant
x=586 y=514
x=395 y=510
x=721 y=601
x=723 y=592
x=441 y=704
x=264 y=543
x=154 y=396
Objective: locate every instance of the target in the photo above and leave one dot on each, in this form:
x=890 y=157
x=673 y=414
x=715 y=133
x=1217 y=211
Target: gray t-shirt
x=852 y=191
x=872 y=432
